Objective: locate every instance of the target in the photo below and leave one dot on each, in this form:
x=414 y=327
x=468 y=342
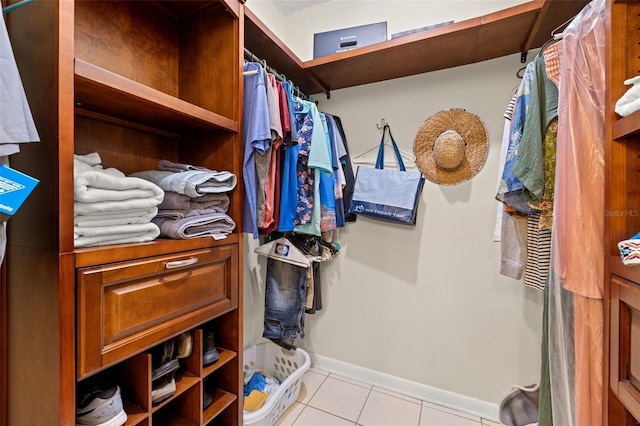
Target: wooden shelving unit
x=514 y=30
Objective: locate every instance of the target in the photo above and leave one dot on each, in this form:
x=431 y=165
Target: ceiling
x=289 y=7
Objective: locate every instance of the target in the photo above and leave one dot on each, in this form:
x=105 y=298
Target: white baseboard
x=455 y=401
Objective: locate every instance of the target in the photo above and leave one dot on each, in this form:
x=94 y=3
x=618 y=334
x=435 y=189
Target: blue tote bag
x=390 y=195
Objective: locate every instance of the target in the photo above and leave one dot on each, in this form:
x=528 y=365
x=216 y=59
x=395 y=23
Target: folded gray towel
x=193 y=183
x=170 y=166
x=175 y=201
x=196 y=223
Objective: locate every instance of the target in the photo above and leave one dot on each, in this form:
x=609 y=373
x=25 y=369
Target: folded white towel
x=91 y=159
x=193 y=183
x=121 y=234
x=116 y=218
x=109 y=185
x=123 y=206
x=630 y=101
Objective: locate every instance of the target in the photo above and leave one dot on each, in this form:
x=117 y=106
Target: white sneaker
x=101 y=408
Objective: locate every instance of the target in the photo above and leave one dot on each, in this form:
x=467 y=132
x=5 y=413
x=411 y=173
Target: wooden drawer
x=124 y=308
x=625 y=343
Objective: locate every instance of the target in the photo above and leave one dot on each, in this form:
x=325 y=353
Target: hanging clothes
x=528 y=167
x=313 y=160
x=575 y=330
x=511 y=191
x=263 y=160
x=257 y=139
x=16 y=122
x=511 y=225
x=347 y=169
x=506 y=133
x=289 y=176
x=328 y=221
x=296 y=180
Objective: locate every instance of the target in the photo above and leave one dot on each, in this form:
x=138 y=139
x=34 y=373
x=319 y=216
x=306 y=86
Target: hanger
x=362 y=158
x=16 y=5
x=555 y=35
x=283 y=250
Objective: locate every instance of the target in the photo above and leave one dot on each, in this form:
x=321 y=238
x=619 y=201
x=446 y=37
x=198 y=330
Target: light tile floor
x=327 y=399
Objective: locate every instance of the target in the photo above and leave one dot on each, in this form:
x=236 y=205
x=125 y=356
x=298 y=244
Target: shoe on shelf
x=162 y=353
x=167 y=369
x=184 y=344
x=100 y=405
x=210 y=353
x=207 y=399
x=163 y=389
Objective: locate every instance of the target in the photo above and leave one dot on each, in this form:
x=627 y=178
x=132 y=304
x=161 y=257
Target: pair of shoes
x=210 y=353
x=100 y=405
x=164 y=368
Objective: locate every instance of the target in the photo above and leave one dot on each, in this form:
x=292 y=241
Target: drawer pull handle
x=181 y=263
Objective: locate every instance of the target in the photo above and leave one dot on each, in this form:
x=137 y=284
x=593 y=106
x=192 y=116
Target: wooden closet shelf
x=514 y=30
x=626 y=126
x=631 y=273
x=92 y=256
x=100 y=90
x=221 y=400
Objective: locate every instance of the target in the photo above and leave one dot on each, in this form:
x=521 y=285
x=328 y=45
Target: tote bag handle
x=380 y=160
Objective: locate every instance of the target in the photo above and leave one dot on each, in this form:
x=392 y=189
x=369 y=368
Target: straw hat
x=451 y=146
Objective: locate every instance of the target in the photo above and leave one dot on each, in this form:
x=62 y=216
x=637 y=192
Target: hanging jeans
x=285 y=298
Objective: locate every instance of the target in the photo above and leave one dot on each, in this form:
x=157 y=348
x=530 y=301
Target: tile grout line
x=363 y=405
x=305 y=405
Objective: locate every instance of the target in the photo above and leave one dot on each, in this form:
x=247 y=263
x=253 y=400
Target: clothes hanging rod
x=16 y=5
x=251 y=57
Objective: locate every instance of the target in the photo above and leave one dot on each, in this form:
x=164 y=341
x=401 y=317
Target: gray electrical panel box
x=345 y=39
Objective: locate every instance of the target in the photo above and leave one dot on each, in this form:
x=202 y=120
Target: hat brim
x=472 y=130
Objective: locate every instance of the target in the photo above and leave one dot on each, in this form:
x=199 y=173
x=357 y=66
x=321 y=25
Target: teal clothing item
x=327 y=188
x=319 y=161
x=542 y=109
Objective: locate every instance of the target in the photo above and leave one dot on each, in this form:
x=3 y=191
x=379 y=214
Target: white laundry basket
x=288 y=367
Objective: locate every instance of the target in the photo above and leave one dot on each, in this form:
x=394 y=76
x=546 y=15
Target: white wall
x=423 y=303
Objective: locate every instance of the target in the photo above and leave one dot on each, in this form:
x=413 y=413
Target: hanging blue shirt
x=511 y=191
x=289 y=179
x=257 y=137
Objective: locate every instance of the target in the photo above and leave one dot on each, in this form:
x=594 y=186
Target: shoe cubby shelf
x=185 y=405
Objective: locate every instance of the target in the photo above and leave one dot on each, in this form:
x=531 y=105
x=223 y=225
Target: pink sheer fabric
x=578 y=254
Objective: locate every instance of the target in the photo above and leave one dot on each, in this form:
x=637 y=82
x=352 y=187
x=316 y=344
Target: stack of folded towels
x=110 y=207
x=195 y=200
